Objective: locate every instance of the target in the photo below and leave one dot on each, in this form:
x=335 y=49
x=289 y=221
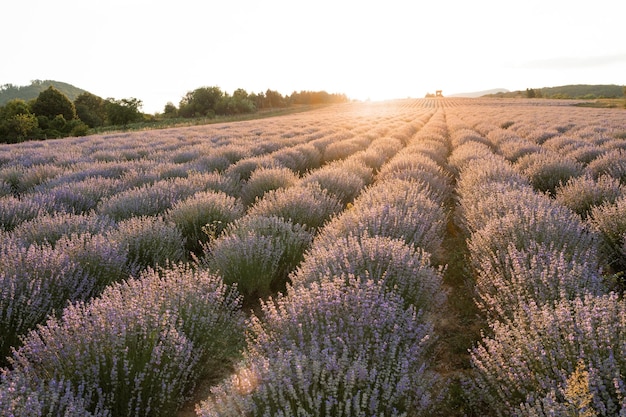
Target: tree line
x=212 y=101
x=53 y=115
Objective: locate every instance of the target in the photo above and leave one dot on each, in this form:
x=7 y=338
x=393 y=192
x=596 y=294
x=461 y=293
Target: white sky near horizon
x=157 y=51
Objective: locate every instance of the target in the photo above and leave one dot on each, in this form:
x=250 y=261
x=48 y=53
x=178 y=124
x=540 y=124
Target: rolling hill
x=9 y=92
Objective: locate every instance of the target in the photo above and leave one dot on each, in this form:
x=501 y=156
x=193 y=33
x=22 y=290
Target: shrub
x=556 y=227
x=14 y=211
x=462 y=136
x=610 y=221
x=258 y=253
x=548 y=170
x=203 y=216
x=51 y=227
x=151 y=241
x=537 y=274
x=148 y=200
x=338 y=182
x=308 y=205
x=18 y=398
x=536 y=354
x=466 y=154
x=586 y=153
x=341 y=150
x=433 y=149
x=401 y=268
x=491 y=169
x=81 y=196
x=243 y=169
x=34 y=281
x=141 y=346
x=417 y=167
x=356 y=166
x=211 y=181
x=298 y=159
x=611 y=163
x=263 y=180
x=338 y=348
x=419 y=223
x=495 y=199
x=583 y=193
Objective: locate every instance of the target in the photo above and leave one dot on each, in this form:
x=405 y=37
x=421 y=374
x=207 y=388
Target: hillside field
x=419 y=257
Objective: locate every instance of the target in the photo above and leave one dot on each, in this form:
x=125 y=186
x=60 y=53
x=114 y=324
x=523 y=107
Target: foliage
x=91 y=109
x=308 y=205
x=204 y=216
x=536 y=354
x=124 y=111
x=51 y=103
x=38 y=279
x=337 y=348
x=258 y=253
x=400 y=268
x=132 y=351
x=584 y=193
x=263 y=180
x=16 y=121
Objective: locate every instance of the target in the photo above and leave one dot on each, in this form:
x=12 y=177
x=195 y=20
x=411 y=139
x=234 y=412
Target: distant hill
x=574 y=91
x=480 y=93
x=9 y=92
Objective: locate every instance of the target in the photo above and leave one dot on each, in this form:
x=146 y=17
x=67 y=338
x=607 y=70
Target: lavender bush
x=139 y=234
x=537 y=274
x=14 y=211
x=81 y=196
x=243 y=169
x=535 y=355
x=415 y=166
x=139 y=348
x=148 y=200
x=341 y=348
x=558 y=228
x=611 y=163
x=336 y=181
x=419 y=223
x=308 y=205
x=51 y=227
x=18 y=398
x=258 y=253
x=401 y=268
x=610 y=221
x=583 y=193
x=263 y=180
x=203 y=216
x=548 y=170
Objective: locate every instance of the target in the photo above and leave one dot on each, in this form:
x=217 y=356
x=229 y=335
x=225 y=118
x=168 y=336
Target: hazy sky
x=157 y=51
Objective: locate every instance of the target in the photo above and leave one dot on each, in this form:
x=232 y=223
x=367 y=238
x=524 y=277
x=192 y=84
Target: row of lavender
x=353 y=335
x=73 y=227
x=556 y=342
x=139 y=347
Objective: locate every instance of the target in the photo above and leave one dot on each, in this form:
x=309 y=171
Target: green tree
x=274 y=99
x=124 y=111
x=170 y=110
x=202 y=101
x=51 y=102
x=16 y=121
x=530 y=93
x=91 y=109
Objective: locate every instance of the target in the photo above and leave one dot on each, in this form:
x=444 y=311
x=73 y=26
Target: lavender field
x=431 y=257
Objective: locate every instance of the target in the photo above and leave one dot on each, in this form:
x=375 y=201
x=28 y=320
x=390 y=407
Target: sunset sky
x=157 y=51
